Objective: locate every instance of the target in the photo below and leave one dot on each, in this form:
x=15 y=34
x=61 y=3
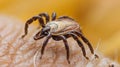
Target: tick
x=59 y=29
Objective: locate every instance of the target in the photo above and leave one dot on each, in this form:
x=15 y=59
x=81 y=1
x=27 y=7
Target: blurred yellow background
x=99 y=19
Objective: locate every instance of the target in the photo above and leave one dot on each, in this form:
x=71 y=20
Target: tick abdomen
x=60 y=27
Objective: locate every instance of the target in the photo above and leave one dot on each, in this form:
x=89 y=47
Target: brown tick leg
x=30 y=21
x=66 y=47
x=44 y=45
x=80 y=45
x=47 y=18
x=53 y=16
x=65 y=17
x=87 y=42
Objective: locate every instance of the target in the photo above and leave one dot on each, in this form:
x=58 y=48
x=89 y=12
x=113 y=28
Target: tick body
x=63 y=26
x=59 y=29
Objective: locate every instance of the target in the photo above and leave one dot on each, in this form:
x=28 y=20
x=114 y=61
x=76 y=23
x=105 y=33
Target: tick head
x=44 y=32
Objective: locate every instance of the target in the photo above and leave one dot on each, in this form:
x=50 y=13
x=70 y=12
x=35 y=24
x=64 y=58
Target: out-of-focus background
x=99 y=19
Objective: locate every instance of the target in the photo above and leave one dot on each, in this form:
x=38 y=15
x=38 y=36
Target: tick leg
x=80 y=45
x=87 y=42
x=53 y=16
x=66 y=47
x=47 y=18
x=65 y=17
x=30 y=21
x=44 y=45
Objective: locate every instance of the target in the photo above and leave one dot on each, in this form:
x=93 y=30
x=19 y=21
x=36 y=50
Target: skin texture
x=17 y=52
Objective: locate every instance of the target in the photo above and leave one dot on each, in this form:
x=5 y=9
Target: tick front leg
x=30 y=21
x=44 y=45
x=47 y=18
x=66 y=47
x=53 y=16
x=80 y=45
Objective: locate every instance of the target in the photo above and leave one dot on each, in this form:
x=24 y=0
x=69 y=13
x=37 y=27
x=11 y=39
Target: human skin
x=17 y=52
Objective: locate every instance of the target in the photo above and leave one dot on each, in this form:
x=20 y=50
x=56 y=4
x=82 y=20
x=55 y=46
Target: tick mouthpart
x=38 y=37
